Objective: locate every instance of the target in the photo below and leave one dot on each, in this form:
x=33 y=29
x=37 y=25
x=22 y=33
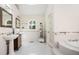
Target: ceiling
x=38 y=9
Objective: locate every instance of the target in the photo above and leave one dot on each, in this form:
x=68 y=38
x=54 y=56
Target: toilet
x=41 y=40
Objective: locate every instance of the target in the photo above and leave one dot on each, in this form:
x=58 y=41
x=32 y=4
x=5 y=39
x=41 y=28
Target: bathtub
x=67 y=47
x=73 y=43
x=67 y=44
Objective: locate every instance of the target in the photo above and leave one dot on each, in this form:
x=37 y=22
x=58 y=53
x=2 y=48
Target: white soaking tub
x=66 y=47
x=67 y=44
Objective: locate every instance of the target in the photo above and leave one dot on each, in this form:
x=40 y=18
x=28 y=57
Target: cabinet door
x=16 y=43
x=19 y=41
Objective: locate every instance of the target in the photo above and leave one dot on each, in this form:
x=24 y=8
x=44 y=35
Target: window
x=32 y=25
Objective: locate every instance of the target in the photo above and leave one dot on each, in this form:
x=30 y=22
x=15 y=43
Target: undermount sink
x=10 y=37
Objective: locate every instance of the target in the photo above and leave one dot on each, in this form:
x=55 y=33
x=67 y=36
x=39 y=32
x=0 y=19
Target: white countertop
x=10 y=37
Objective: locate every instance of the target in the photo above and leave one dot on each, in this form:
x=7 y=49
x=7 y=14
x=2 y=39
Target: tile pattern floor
x=34 y=48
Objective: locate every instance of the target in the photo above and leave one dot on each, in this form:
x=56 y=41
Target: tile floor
x=34 y=48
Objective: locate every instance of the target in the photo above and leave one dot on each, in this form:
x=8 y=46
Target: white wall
x=25 y=22
x=31 y=34
x=66 y=18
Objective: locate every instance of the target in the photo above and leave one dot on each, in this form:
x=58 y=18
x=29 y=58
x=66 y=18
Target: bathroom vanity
x=13 y=42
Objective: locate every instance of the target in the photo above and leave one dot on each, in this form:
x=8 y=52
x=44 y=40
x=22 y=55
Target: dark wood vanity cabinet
x=17 y=42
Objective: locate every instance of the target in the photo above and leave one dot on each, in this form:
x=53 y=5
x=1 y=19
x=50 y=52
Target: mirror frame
x=17 y=19
x=1 y=9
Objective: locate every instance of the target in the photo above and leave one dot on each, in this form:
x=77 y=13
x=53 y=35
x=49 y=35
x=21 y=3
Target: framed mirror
x=5 y=18
x=17 y=23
